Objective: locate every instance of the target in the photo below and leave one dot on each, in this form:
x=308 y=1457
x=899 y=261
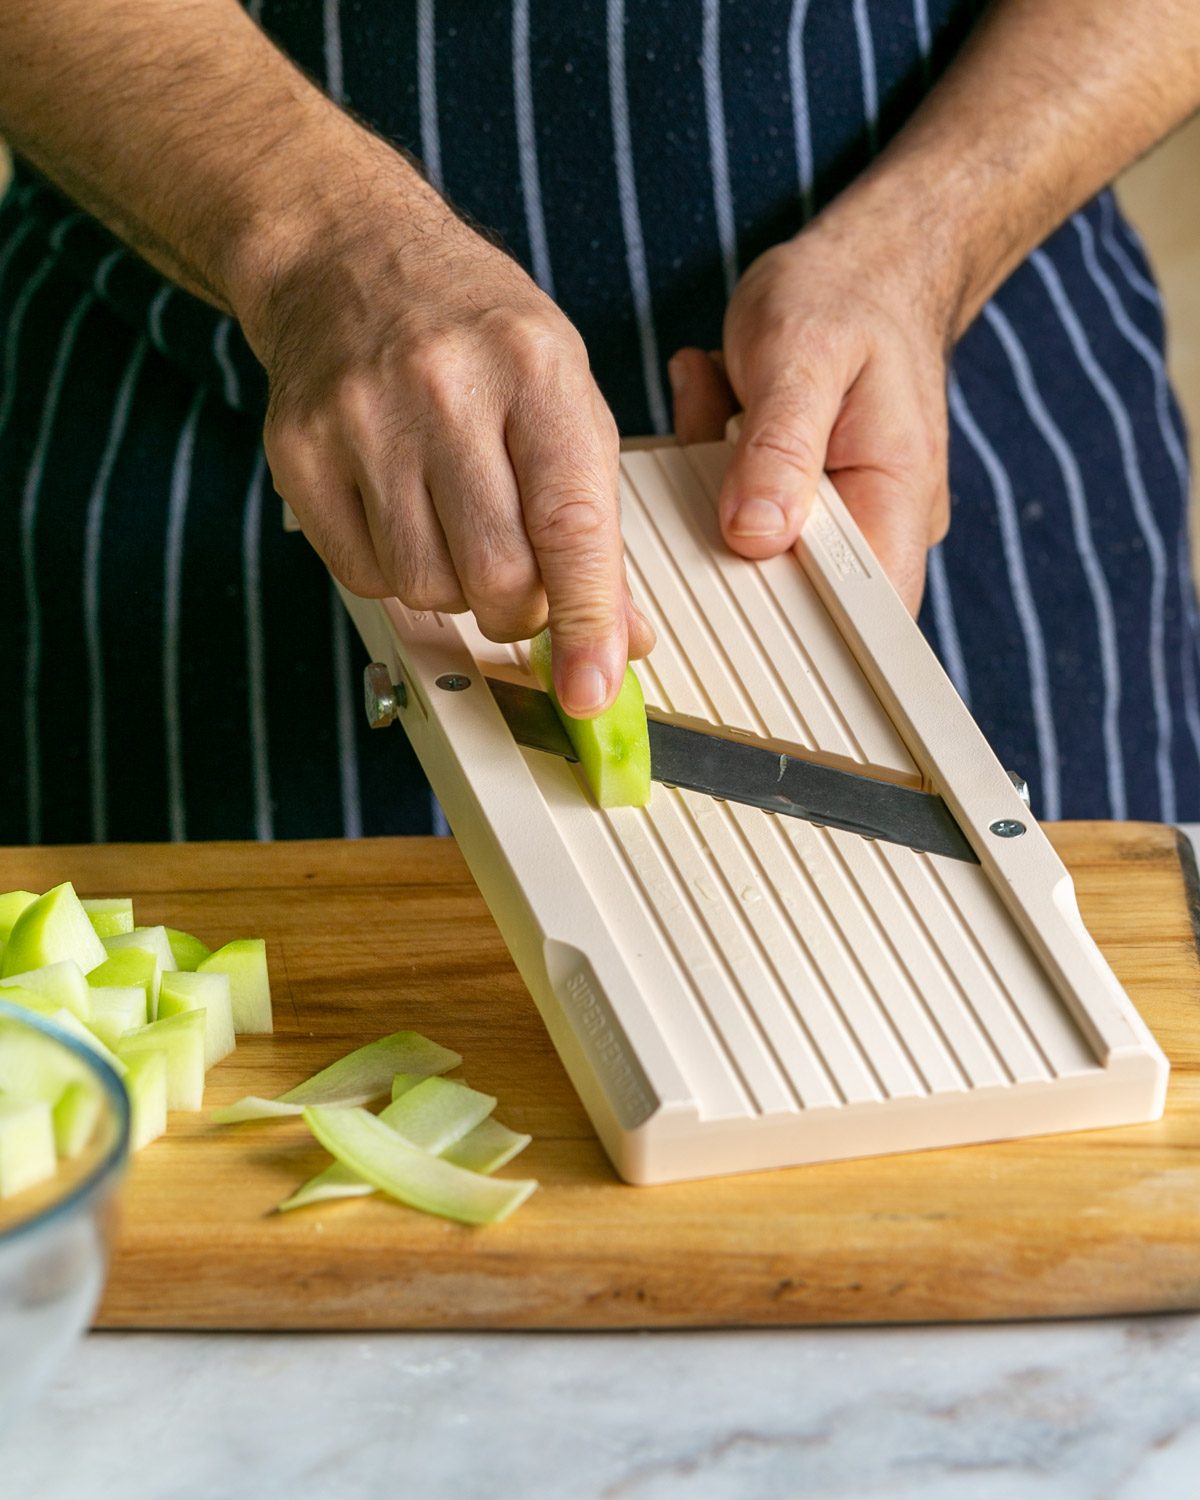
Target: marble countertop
x=1106 y=1410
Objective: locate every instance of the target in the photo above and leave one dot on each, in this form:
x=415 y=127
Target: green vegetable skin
x=50 y=929
x=189 y=951
x=614 y=747
x=109 y=915
x=377 y=1154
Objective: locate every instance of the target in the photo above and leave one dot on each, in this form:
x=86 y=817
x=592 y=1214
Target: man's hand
x=435 y=426
x=839 y=360
x=433 y=421
x=835 y=342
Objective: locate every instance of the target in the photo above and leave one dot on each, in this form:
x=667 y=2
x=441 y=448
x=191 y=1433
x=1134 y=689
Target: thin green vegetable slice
x=614 y=747
x=431 y=1115
x=357 y=1078
x=381 y=1157
x=487 y=1148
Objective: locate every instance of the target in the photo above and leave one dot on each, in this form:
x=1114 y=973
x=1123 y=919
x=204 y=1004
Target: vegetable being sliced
x=210 y=993
x=614 y=747
x=431 y=1115
x=63 y=983
x=245 y=961
x=377 y=1154
x=357 y=1078
x=181 y=1041
x=52 y=928
x=27 y=1154
x=109 y=915
x=189 y=951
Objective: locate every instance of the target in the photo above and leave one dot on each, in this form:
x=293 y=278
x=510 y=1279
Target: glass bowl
x=54 y=1238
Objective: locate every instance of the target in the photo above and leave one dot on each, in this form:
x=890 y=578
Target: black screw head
x=453 y=682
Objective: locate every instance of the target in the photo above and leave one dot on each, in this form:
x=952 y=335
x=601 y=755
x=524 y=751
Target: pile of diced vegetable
x=161 y=1008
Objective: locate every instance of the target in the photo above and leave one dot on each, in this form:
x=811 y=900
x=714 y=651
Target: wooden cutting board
x=366 y=938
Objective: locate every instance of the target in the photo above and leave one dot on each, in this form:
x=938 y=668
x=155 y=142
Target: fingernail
x=758 y=518
x=586 y=690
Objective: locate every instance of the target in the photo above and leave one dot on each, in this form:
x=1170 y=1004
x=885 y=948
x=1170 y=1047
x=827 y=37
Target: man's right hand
x=435 y=427
x=433 y=421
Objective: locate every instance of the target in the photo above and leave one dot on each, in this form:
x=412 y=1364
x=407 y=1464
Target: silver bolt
x=1007 y=828
x=1021 y=785
x=382 y=697
x=453 y=682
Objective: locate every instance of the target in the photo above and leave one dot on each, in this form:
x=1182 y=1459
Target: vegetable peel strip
x=356 y=1079
x=381 y=1157
x=431 y=1115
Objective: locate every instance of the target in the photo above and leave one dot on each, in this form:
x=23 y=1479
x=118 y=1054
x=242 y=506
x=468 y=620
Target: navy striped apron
x=178 y=667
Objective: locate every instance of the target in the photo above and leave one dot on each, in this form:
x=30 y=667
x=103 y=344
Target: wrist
x=313 y=222
x=910 y=249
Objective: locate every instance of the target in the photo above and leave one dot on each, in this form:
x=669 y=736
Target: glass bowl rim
x=113 y=1160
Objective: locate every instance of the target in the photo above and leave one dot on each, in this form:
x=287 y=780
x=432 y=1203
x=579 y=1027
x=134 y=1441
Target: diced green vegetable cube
x=52 y=928
x=109 y=915
x=181 y=1041
x=75 y=1116
x=117 y=1009
x=66 y=1021
x=27 y=1154
x=189 y=951
x=62 y=983
x=245 y=962
x=614 y=747
x=33 y=1066
x=146 y=1084
x=151 y=939
x=130 y=966
x=29 y=1000
x=211 y=993
x=12 y=904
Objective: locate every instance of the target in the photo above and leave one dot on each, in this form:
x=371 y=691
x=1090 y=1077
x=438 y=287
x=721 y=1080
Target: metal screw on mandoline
x=453 y=682
x=382 y=697
x=1007 y=828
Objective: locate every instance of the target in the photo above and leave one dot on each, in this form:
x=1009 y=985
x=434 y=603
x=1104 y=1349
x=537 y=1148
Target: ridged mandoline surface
x=799 y=968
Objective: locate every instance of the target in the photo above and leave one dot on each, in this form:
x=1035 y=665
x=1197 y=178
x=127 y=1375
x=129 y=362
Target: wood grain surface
x=366 y=938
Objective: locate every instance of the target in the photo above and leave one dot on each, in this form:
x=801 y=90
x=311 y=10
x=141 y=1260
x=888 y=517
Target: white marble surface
x=1084 y=1411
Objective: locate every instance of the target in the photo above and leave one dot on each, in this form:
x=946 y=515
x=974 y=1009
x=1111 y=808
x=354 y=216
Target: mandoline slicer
x=732 y=990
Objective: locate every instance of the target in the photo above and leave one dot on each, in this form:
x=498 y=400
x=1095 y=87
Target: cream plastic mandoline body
x=731 y=990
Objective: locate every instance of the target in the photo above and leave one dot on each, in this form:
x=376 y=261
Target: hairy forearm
x=186 y=131
x=1048 y=101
